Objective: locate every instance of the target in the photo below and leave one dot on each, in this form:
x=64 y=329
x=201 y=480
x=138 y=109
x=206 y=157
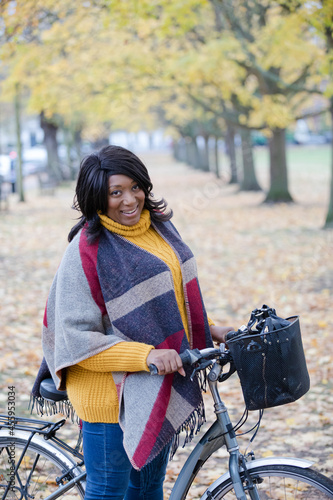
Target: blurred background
x=230 y=105
x=202 y=78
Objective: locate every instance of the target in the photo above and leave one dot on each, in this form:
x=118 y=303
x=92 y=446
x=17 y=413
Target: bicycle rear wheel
x=36 y=476
x=279 y=482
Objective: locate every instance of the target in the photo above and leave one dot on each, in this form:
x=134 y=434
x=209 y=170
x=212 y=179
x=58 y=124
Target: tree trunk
x=78 y=142
x=50 y=140
x=196 y=160
x=188 y=158
x=192 y=152
x=216 y=157
x=329 y=216
x=231 y=151
x=74 y=144
x=19 y=165
x=69 y=141
x=176 y=150
x=278 y=191
x=249 y=182
x=205 y=155
x=181 y=150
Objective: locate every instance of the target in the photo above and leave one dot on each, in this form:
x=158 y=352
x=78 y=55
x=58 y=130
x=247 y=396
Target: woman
x=125 y=295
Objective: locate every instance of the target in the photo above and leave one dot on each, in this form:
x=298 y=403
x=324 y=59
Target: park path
x=248 y=254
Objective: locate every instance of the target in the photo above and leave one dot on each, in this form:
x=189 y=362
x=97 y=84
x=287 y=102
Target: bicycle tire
x=36 y=476
x=278 y=482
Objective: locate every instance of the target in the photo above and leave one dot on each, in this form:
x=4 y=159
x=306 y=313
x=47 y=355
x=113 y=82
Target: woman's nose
x=128 y=198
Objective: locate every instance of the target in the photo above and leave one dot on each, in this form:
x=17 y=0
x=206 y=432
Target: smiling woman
x=97 y=185
x=117 y=305
x=126 y=200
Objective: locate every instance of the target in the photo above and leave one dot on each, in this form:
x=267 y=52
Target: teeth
x=129 y=213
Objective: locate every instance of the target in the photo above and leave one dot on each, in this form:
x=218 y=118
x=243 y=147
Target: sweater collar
x=136 y=230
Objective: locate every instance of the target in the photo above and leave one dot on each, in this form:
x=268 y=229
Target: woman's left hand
x=219 y=333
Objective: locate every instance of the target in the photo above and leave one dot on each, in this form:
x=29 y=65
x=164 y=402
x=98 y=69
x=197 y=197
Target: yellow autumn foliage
x=122 y=62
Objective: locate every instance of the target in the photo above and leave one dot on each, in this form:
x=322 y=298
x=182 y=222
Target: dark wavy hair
x=91 y=194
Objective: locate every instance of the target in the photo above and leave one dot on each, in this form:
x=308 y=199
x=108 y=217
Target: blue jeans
x=110 y=475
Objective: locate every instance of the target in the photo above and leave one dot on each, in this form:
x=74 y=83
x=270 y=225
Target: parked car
x=258 y=139
x=309 y=138
x=34 y=160
x=303 y=135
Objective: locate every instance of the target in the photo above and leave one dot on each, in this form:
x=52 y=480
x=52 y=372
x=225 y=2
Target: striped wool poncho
x=113 y=291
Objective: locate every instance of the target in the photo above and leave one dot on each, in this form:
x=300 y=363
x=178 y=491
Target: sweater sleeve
x=77 y=326
x=210 y=321
x=125 y=356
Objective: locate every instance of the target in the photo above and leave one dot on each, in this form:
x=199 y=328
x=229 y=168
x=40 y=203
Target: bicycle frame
x=220 y=434
x=66 y=487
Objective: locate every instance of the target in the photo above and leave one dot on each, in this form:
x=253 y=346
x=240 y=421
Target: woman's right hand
x=166 y=361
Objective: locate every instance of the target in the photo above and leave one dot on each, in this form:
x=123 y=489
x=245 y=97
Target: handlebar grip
x=153 y=369
x=188 y=358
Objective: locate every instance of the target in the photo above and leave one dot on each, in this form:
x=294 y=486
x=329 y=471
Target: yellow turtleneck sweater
x=90 y=384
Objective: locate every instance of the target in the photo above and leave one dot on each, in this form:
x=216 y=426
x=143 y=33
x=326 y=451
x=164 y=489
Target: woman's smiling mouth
x=129 y=212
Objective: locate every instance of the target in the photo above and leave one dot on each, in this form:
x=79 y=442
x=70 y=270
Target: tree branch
x=227 y=9
x=266 y=76
x=312 y=113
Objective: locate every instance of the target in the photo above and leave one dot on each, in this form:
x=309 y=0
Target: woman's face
x=125 y=200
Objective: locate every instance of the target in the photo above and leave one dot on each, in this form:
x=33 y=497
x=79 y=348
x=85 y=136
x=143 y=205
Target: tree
x=249 y=181
x=19 y=168
x=255 y=65
x=50 y=129
x=251 y=64
x=231 y=150
x=280 y=63
x=320 y=15
x=329 y=216
x=71 y=82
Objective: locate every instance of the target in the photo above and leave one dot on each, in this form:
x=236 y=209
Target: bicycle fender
x=46 y=444
x=253 y=464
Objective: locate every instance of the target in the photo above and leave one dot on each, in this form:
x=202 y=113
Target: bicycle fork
x=235 y=459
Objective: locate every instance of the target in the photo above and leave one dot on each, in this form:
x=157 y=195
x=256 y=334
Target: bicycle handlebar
x=193 y=356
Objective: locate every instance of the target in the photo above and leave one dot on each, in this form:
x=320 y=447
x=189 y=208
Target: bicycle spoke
x=41 y=478
x=36 y=477
x=277 y=482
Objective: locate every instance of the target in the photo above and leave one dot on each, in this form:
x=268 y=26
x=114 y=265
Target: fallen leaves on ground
x=248 y=254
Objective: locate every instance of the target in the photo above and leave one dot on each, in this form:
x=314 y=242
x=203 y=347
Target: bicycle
x=45 y=467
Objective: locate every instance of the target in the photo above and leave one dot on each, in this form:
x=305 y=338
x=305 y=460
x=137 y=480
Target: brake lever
x=200 y=366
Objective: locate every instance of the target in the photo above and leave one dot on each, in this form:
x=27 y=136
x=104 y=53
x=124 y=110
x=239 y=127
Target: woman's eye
x=115 y=192
x=136 y=187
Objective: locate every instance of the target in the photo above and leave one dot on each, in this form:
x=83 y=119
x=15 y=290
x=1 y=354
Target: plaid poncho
x=113 y=291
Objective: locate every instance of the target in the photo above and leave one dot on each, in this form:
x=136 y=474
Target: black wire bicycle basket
x=269 y=358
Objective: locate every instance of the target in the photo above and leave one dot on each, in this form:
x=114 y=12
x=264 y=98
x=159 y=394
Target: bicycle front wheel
x=279 y=482
x=37 y=475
